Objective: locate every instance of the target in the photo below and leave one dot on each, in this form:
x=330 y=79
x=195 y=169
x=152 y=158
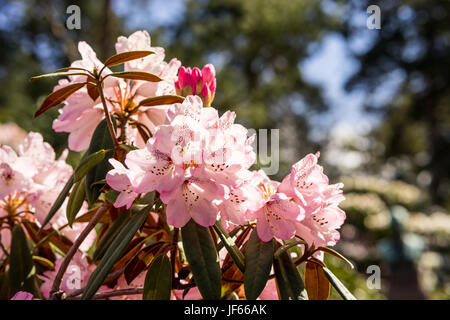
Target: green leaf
x=126 y=56
x=232 y=233
x=336 y=254
x=111 y=234
x=127 y=147
x=101 y=140
x=289 y=282
x=258 y=262
x=158 y=280
x=71 y=68
x=338 y=285
x=157 y=101
x=59 y=74
x=136 y=75
x=57 y=97
x=4 y=285
x=76 y=200
x=203 y=259
x=287 y=246
x=114 y=252
x=21 y=266
x=111 y=196
x=59 y=201
x=231 y=247
x=316 y=283
x=88 y=163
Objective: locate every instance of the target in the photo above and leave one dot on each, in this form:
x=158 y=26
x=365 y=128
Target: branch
x=115 y=293
x=73 y=250
x=111 y=276
x=107 y=115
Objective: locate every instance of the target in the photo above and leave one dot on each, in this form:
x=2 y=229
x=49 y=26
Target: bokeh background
x=375 y=103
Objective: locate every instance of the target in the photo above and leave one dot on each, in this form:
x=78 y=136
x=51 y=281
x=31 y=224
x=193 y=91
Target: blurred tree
x=34 y=39
x=257 y=47
x=408 y=57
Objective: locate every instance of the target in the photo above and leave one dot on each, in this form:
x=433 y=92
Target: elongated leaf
x=316 y=283
x=114 y=252
x=75 y=202
x=289 y=283
x=158 y=280
x=58 y=74
x=101 y=140
x=137 y=75
x=203 y=259
x=336 y=254
x=141 y=261
x=127 y=147
x=111 y=196
x=71 y=68
x=59 y=201
x=287 y=246
x=232 y=233
x=142 y=132
x=258 y=262
x=111 y=234
x=231 y=247
x=156 y=101
x=21 y=266
x=49 y=239
x=88 y=163
x=57 y=97
x=126 y=56
x=338 y=285
x=4 y=285
x=86 y=217
x=44 y=262
x=92 y=91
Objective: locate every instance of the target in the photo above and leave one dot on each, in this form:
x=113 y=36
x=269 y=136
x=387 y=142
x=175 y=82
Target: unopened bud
x=197 y=82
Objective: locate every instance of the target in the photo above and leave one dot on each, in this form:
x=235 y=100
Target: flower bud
x=197 y=82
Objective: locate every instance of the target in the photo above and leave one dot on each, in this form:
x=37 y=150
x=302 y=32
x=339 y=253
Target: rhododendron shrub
x=165 y=202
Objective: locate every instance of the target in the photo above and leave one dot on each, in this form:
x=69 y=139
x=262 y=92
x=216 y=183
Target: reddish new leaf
x=92 y=91
x=156 y=101
x=126 y=56
x=57 y=97
x=316 y=283
x=136 y=75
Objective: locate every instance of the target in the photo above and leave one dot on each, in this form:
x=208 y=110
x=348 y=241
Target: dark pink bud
x=209 y=73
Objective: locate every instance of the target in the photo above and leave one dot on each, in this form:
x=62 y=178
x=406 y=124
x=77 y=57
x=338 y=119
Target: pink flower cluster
x=193 y=163
x=30 y=181
x=81 y=114
x=197 y=82
x=199 y=163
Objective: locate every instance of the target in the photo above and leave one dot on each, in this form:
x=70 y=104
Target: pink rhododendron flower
x=193 y=198
x=270 y=291
x=242 y=199
x=120 y=179
x=196 y=82
x=192 y=162
x=22 y=295
x=11 y=134
x=196 y=162
x=30 y=181
x=309 y=186
x=81 y=115
x=32 y=177
x=75 y=277
x=279 y=212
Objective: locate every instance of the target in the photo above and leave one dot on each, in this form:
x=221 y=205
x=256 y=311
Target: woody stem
x=107 y=115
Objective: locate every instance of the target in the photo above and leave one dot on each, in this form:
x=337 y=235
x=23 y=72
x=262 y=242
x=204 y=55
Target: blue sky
x=330 y=66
